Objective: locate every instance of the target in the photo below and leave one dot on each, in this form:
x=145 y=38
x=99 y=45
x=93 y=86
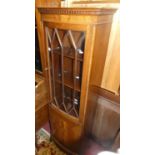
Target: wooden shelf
x=69 y=83
x=69 y=53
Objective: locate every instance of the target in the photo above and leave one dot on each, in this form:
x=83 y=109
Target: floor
x=90 y=148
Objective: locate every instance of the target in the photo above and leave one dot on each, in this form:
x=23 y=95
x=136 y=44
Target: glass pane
x=66 y=52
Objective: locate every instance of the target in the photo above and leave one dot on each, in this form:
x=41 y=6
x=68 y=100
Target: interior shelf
x=69 y=83
x=68 y=52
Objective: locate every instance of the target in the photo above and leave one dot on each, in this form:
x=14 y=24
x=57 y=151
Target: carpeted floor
x=44 y=146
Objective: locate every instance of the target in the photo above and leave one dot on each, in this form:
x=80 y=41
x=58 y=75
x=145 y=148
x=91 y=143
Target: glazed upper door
x=65 y=57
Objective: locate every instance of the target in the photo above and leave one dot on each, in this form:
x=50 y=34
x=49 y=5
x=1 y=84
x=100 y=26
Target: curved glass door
x=66 y=52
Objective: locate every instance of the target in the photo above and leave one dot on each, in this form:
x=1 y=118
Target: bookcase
x=66 y=50
x=70 y=38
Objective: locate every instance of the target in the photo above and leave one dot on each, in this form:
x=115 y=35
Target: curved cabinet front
x=69 y=39
x=66 y=131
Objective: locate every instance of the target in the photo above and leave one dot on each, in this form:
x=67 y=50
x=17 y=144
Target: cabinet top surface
x=76 y=11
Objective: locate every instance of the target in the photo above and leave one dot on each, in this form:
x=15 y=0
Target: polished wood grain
x=37 y=15
x=41 y=117
x=106 y=59
x=54 y=3
x=104 y=92
x=41 y=102
x=41 y=89
x=99 y=56
x=40 y=92
x=106 y=122
x=111 y=74
x=103 y=116
x=76 y=11
x=96 y=23
x=66 y=131
x=63 y=147
x=41 y=39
